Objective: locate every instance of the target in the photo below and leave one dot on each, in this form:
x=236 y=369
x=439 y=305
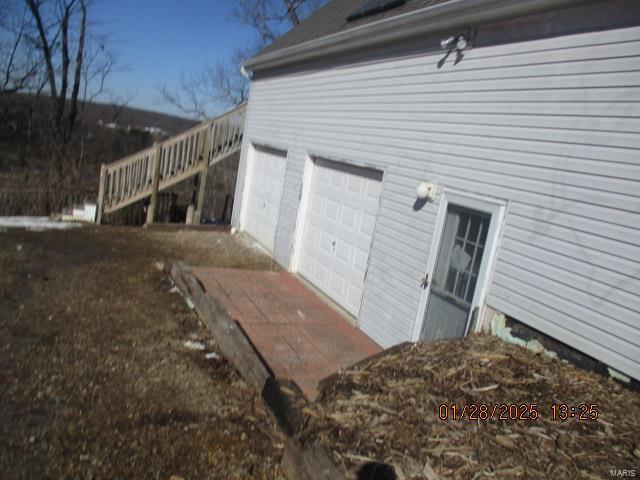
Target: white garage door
x=338 y=231
x=266 y=181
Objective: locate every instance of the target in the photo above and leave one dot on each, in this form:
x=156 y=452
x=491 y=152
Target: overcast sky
x=160 y=39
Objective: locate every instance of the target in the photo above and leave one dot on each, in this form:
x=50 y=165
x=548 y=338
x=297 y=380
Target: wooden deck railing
x=178 y=158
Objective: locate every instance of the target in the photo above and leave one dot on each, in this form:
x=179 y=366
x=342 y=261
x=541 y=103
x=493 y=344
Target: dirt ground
x=394 y=417
x=95 y=377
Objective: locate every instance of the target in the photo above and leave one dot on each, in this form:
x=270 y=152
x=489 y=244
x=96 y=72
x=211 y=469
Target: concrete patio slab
x=299 y=336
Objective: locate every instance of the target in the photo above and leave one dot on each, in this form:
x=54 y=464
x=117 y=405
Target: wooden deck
x=298 y=335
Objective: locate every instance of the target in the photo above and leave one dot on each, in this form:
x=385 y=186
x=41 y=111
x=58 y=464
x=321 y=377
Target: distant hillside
x=108 y=113
x=135 y=117
x=104 y=134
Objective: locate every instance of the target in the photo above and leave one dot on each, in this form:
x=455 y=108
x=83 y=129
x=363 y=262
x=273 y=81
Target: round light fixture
x=461 y=44
x=425 y=190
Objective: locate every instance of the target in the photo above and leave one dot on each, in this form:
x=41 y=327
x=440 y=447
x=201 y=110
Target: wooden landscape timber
x=308 y=463
x=233 y=343
x=282 y=396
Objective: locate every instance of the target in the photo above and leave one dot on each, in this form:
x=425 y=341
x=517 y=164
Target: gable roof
x=327 y=32
x=332 y=18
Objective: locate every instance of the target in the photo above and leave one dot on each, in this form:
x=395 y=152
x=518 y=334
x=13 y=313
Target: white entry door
x=338 y=230
x=264 y=192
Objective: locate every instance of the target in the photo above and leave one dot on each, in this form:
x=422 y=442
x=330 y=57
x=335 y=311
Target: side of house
x=530 y=138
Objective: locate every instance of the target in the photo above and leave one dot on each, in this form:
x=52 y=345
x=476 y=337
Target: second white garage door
x=264 y=193
x=338 y=231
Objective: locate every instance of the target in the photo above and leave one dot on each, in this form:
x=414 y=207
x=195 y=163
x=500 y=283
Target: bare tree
x=268 y=18
x=53 y=35
x=74 y=64
x=19 y=59
x=213 y=87
x=222 y=86
x=52 y=51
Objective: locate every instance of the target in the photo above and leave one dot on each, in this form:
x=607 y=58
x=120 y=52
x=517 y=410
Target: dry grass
x=95 y=379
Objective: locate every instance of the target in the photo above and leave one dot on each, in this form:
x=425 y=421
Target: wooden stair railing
x=171 y=161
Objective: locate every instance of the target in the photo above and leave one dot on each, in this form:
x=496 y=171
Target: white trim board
x=245 y=186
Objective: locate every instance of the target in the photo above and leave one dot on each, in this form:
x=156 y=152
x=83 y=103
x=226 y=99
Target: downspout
x=245 y=73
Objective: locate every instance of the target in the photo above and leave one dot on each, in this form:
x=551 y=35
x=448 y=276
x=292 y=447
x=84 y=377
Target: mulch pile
x=388 y=412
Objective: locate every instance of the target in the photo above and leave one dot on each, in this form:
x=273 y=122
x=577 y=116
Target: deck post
x=155 y=182
x=101 y=192
x=202 y=177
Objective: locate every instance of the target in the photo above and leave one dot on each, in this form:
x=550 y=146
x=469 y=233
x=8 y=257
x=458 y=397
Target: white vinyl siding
x=551 y=125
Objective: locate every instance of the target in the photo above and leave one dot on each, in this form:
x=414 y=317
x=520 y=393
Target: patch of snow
x=617 y=375
x=212 y=356
x=191 y=345
x=36 y=224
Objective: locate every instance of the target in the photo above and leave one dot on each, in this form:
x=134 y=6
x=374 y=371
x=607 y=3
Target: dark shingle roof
x=332 y=18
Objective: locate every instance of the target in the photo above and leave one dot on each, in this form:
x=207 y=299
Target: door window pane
x=464 y=254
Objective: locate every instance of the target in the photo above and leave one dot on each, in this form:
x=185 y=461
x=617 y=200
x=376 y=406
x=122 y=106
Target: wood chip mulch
x=386 y=416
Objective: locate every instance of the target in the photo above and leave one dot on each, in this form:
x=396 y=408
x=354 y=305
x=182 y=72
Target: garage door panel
x=355 y=184
x=314 y=234
x=349 y=217
x=367 y=224
x=339 y=230
x=337 y=284
x=307 y=265
x=264 y=195
x=374 y=189
x=332 y=209
x=344 y=252
x=325 y=243
x=360 y=260
x=354 y=296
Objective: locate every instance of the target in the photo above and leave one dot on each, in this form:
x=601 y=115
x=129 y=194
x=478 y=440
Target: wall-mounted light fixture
x=459 y=42
x=462 y=43
x=446 y=43
x=455 y=43
x=426 y=191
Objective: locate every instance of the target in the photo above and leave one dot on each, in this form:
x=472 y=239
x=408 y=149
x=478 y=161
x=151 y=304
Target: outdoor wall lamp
x=457 y=41
x=426 y=191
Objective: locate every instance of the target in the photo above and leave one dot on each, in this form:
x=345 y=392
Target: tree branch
x=78 y=68
x=34 y=6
